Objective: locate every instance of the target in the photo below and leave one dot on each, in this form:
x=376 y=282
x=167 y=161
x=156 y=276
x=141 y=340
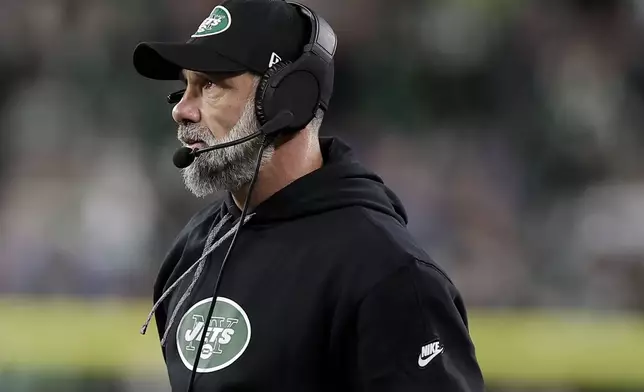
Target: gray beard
x=230 y=168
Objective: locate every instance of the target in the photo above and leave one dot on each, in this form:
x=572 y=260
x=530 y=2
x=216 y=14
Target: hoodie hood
x=341 y=182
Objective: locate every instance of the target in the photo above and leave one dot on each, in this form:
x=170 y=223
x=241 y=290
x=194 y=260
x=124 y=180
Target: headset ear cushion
x=264 y=84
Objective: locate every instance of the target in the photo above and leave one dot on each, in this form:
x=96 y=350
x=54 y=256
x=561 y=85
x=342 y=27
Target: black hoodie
x=325 y=291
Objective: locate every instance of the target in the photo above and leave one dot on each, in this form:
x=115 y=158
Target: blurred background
x=511 y=129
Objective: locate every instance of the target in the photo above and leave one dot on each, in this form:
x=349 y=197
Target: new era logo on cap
x=274 y=59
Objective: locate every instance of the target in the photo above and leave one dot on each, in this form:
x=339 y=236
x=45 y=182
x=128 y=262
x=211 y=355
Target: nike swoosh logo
x=422 y=362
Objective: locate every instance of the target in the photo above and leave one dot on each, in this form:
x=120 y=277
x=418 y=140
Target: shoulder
x=385 y=241
x=373 y=247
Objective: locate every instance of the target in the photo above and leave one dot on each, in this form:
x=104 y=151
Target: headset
x=306 y=84
x=301 y=86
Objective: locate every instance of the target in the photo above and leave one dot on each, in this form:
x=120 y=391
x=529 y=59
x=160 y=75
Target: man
x=326 y=290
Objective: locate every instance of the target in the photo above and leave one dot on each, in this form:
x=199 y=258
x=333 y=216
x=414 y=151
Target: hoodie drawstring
x=208 y=249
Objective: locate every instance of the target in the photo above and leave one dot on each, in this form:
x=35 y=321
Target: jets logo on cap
x=217 y=22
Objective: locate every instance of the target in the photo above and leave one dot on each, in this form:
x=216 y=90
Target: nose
x=186 y=110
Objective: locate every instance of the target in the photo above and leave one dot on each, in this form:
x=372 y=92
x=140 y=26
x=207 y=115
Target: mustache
x=194 y=132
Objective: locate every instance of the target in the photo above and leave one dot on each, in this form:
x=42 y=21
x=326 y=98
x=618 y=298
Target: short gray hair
x=316 y=122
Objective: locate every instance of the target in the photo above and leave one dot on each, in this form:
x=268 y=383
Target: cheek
x=222 y=111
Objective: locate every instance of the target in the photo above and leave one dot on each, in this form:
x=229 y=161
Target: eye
x=208 y=84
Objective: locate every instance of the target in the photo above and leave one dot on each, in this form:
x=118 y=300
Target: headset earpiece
x=260 y=95
x=306 y=84
x=290 y=86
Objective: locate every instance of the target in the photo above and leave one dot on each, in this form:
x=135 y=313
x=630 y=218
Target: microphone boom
x=184 y=156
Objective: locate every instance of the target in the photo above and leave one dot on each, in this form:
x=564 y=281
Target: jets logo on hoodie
x=226 y=335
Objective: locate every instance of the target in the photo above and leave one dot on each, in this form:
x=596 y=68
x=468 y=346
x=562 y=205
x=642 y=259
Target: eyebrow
x=218 y=78
x=197 y=76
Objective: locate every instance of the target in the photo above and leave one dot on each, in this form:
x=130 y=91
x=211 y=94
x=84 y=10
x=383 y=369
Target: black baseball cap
x=237 y=36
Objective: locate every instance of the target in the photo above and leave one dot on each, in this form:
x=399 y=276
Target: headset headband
x=323 y=41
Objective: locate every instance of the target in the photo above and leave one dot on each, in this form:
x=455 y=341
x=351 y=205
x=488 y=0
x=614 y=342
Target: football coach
x=318 y=284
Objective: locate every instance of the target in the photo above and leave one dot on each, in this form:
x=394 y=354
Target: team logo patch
x=217 y=22
x=226 y=335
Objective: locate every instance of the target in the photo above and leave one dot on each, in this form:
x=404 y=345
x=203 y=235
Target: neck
x=293 y=159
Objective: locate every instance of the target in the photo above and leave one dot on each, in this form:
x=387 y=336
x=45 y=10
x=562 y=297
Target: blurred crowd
x=511 y=130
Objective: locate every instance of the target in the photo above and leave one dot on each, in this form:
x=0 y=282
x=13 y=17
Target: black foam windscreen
x=183 y=157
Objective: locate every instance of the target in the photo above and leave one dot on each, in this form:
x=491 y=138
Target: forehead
x=187 y=76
